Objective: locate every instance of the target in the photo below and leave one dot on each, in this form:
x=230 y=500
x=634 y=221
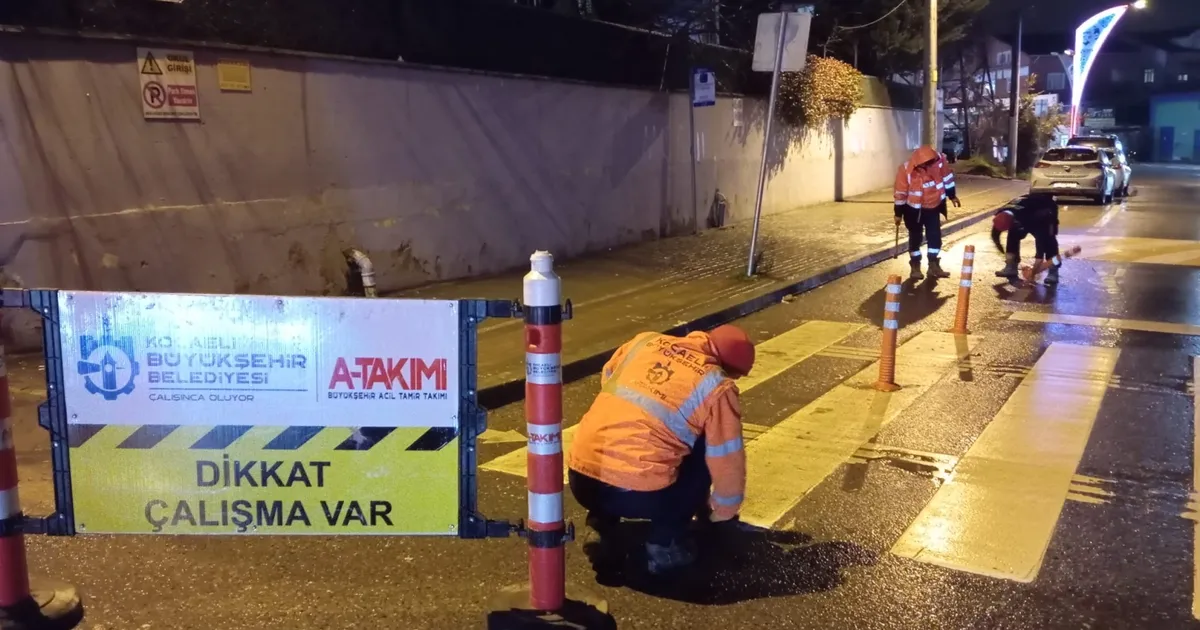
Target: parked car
x=1074 y=171
x=1105 y=141
x=1121 y=171
x=1099 y=141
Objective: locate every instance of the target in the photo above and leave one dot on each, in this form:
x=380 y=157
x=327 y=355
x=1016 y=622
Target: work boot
x=1052 y=276
x=935 y=269
x=915 y=274
x=662 y=559
x=1011 y=267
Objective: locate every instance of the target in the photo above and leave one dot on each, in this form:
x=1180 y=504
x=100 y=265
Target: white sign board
x=177 y=359
x=704 y=88
x=795 y=42
x=168 y=84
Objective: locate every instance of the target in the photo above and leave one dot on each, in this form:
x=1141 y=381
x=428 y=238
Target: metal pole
x=762 y=167
x=1014 y=98
x=692 y=142
x=929 y=130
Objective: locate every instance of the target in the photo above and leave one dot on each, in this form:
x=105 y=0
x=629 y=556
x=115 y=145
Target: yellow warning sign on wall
x=233 y=75
x=154 y=479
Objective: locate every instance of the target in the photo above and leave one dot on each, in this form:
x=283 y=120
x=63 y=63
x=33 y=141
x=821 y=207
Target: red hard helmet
x=734 y=349
x=1002 y=222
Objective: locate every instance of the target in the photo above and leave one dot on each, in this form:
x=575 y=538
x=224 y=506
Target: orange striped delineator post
x=22 y=607
x=891 y=329
x=543 y=416
x=963 y=305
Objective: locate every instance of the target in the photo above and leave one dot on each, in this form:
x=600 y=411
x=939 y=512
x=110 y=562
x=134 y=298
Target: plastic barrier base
x=53 y=606
x=582 y=610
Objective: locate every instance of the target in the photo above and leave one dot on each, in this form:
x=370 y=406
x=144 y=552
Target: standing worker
x=663 y=441
x=923 y=184
x=1036 y=215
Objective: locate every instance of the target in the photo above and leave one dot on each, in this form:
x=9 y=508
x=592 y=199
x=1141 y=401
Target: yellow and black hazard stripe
x=222 y=437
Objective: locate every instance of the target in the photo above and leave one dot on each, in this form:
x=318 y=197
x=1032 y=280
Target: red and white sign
x=168 y=80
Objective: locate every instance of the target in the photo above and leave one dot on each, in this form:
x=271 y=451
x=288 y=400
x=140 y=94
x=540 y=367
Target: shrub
x=826 y=89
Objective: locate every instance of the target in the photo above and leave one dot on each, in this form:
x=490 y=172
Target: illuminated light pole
x=1089 y=37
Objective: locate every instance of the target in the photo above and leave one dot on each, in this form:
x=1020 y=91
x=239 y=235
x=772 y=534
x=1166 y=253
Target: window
x=1056 y=81
x=1148 y=75
x=1004 y=58
x=1182 y=78
x=1071 y=155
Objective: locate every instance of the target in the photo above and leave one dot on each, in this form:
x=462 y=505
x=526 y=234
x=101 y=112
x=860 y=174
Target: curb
x=509 y=392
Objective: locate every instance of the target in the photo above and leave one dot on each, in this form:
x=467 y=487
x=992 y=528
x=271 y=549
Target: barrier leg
x=963 y=304
x=891 y=328
x=545 y=603
x=23 y=606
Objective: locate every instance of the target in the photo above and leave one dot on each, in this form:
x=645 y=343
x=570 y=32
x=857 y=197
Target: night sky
x=1053 y=15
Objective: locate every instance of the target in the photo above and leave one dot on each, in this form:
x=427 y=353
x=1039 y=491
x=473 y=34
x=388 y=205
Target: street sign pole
x=762 y=167
x=692 y=141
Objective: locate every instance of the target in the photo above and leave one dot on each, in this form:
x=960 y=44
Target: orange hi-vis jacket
x=923 y=187
x=658 y=395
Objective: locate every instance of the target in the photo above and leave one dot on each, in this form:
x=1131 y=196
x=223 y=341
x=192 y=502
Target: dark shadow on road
x=1025 y=292
x=919 y=300
x=743 y=563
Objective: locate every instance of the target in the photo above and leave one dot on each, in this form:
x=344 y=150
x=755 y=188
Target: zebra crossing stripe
x=996 y=514
x=791 y=459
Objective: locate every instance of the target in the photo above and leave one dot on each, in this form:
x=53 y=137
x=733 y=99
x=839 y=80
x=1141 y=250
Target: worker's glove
x=897 y=220
x=956 y=202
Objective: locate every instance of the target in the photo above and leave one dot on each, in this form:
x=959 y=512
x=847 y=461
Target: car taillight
x=1042 y=165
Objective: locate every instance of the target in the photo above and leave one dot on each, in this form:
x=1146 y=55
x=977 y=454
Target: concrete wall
x=436 y=174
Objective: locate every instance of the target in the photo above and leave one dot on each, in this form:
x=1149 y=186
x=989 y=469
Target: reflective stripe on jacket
x=658 y=395
x=947 y=178
x=921 y=187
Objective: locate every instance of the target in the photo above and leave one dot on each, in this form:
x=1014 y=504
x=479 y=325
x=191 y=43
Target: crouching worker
x=663 y=442
x=1035 y=215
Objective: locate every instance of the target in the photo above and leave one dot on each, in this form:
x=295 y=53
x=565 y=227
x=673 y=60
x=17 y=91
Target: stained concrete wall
x=437 y=174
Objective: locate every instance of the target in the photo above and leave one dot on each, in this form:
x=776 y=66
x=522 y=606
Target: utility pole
x=1014 y=99
x=930 y=133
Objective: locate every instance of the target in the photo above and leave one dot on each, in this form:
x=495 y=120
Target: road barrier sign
x=224 y=414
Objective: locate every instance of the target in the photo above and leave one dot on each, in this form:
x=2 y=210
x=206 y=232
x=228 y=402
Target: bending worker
x=663 y=440
x=923 y=184
x=1036 y=215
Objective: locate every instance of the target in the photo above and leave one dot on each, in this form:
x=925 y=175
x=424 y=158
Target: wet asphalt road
x=1120 y=555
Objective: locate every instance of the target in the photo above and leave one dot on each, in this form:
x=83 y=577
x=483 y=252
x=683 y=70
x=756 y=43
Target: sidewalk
x=697 y=282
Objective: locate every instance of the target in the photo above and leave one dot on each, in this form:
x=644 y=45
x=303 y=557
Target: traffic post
x=545 y=603
x=962 y=307
x=891 y=329
x=23 y=605
x=547 y=532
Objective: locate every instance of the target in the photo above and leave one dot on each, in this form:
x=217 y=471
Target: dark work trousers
x=926 y=222
x=1046 y=243
x=669 y=510
x=1012 y=244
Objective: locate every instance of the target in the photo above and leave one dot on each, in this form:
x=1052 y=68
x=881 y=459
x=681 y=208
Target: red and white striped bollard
x=543 y=416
